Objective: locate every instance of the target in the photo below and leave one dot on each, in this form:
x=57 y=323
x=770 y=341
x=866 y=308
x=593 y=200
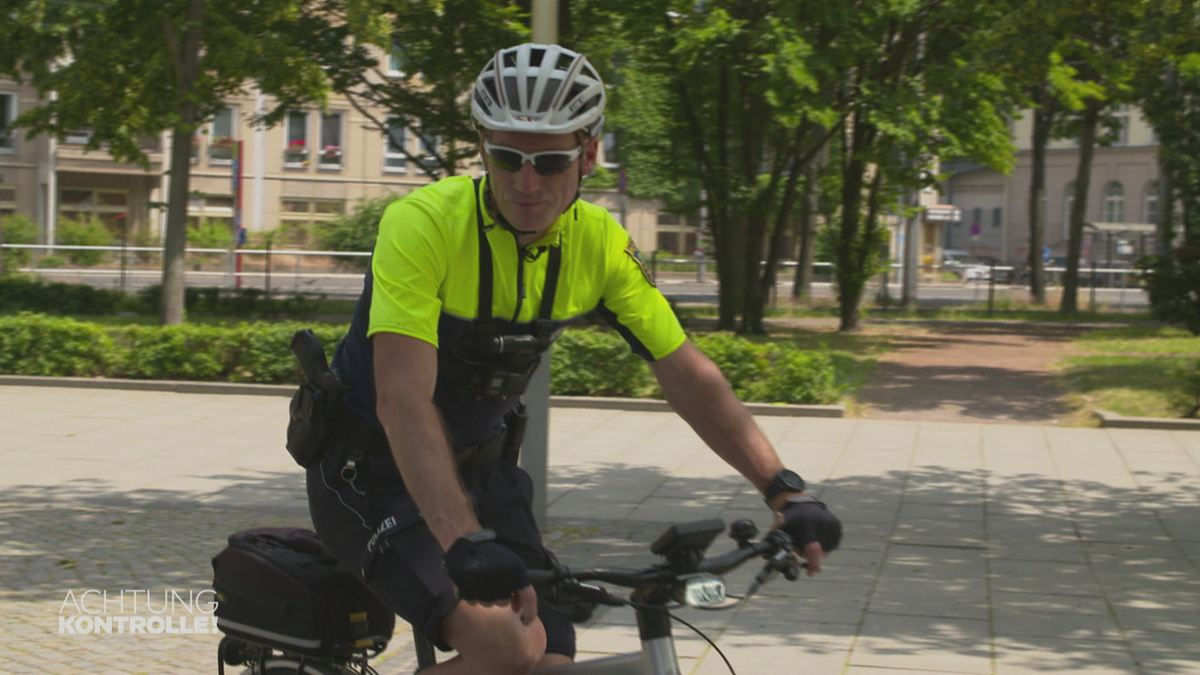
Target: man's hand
x=814 y=530
x=483 y=571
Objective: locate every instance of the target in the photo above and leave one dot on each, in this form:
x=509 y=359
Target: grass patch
x=1135 y=386
x=1132 y=370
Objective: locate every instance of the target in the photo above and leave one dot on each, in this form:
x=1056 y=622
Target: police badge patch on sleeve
x=634 y=253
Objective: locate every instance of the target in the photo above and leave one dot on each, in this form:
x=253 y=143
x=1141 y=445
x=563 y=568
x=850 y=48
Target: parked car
x=965 y=266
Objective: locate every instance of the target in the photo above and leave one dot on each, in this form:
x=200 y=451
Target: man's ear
x=591 y=150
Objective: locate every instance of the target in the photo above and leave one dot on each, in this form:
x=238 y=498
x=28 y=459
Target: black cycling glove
x=805 y=520
x=482 y=569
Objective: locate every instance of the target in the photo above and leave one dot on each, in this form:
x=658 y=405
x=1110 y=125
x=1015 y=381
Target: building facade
x=314 y=166
x=1123 y=202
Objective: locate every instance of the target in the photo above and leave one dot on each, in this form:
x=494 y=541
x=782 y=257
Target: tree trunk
x=802 y=286
x=171 y=310
x=1043 y=116
x=911 y=255
x=1087 y=147
x=849 y=281
x=1164 y=234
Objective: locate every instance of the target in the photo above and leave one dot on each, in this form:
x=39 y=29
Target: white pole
x=536 y=450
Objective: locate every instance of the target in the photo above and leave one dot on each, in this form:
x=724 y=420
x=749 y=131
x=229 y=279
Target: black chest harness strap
x=543 y=328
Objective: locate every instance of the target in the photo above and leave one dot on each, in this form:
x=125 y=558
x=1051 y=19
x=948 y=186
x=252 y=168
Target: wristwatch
x=784 y=481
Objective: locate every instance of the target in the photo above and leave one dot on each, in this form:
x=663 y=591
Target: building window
x=8 y=200
x=395 y=143
x=1114 y=202
x=997 y=217
x=298 y=215
x=611 y=158
x=977 y=216
x=1150 y=212
x=295 y=153
x=77 y=137
x=1122 y=115
x=1068 y=204
x=109 y=206
x=221 y=145
x=8 y=112
x=397 y=64
x=430 y=147
x=331 y=141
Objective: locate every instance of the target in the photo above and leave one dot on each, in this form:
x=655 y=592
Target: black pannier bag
x=280 y=588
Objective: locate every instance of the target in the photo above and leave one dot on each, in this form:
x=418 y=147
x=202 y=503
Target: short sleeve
x=409 y=267
x=633 y=305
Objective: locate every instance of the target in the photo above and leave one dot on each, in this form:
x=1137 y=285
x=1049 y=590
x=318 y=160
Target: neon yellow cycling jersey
x=425 y=283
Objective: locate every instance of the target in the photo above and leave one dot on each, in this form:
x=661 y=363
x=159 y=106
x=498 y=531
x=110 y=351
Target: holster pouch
x=314 y=404
x=308 y=428
x=515 y=421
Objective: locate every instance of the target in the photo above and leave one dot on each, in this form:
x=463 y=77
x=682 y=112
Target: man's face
x=528 y=200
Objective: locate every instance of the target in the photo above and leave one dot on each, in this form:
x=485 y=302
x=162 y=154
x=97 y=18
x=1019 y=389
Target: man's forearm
x=699 y=393
x=426 y=464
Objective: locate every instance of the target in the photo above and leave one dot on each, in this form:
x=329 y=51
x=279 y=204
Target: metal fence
x=340 y=273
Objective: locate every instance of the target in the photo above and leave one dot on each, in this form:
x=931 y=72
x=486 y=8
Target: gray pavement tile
x=1042 y=577
x=1171 y=613
x=818 y=652
x=939 y=533
x=1066 y=617
x=923 y=643
x=941 y=512
x=1165 y=653
x=1039 y=655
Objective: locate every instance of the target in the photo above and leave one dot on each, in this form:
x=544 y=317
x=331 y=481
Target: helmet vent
x=536 y=56
x=490 y=85
x=511 y=92
x=548 y=95
x=510 y=59
x=564 y=61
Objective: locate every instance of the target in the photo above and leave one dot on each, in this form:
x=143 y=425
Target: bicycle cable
x=697 y=631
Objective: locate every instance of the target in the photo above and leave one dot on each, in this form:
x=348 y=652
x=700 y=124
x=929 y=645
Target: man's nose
x=528 y=179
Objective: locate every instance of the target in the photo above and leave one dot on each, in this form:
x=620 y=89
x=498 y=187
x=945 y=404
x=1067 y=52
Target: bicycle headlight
x=701 y=590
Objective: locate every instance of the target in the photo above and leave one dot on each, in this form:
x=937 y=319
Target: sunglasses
x=546 y=163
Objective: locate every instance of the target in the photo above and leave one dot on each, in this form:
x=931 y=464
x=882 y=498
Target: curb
x=181 y=387
x=1111 y=420
x=658 y=405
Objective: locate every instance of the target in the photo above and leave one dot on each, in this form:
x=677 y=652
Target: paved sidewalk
x=970 y=548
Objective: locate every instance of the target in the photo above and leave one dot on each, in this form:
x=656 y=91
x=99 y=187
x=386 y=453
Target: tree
x=127 y=69
x=1099 y=48
x=435 y=51
x=913 y=94
x=727 y=102
x=1167 y=87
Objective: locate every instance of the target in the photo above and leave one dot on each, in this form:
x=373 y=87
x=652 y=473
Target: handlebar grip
x=541 y=578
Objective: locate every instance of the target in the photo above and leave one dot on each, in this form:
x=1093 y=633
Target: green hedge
x=585 y=362
x=32 y=294
x=35 y=344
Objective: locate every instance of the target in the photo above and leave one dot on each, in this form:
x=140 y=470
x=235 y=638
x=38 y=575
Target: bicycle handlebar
x=661 y=574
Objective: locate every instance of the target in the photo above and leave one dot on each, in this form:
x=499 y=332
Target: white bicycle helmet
x=543 y=89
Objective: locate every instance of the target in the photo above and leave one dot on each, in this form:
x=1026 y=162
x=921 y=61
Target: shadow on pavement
x=935 y=561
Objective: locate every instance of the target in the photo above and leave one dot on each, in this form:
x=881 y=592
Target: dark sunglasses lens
x=505 y=159
x=548 y=165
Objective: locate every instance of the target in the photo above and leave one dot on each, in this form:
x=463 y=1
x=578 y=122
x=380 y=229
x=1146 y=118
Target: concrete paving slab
x=923 y=643
x=976 y=527
x=1037 y=656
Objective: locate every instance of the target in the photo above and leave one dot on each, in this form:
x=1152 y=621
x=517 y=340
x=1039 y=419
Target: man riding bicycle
x=470 y=283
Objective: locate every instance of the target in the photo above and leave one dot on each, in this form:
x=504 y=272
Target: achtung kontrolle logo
x=137 y=612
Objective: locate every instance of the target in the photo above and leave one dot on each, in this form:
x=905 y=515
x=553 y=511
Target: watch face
x=790 y=481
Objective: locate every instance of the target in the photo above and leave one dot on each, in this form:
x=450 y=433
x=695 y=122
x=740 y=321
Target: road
x=679 y=286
